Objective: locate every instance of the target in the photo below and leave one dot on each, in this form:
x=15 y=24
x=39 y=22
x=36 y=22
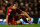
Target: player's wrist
x=29 y=18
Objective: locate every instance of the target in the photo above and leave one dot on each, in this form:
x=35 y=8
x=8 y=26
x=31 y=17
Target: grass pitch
x=28 y=25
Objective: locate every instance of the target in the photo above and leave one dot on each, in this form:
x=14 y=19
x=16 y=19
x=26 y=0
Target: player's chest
x=12 y=11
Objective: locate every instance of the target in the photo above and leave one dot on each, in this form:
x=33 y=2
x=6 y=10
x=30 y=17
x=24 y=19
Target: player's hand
x=29 y=18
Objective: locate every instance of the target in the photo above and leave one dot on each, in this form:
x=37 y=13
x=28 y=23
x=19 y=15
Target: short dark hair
x=14 y=3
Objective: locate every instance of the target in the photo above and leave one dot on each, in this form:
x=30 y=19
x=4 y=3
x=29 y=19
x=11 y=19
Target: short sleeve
x=8 y=12
x=18 y=10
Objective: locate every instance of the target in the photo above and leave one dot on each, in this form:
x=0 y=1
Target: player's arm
x=7 y=16
x=7 y=20
x=26 y=15
x=20 y=11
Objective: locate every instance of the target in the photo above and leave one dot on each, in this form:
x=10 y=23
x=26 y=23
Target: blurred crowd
x=32 y=7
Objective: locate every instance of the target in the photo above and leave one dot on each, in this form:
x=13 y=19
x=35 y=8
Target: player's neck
x=13 y=7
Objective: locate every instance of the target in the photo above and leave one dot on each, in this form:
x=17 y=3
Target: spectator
x=22 y=6
x=1 y=10
x=13 y=0
x=30 y=10
x=4 y=1
x=10 y=2
x=29 y=4
x=20 y=1
x=26 y=7
x=38 y=6
x=35 y=4
x=32 y=7
x=32 y=1
x=32 y=13
x=36 y=12
x=39 y=12
x=1 y=3
x=35 y=8
x=35 y=1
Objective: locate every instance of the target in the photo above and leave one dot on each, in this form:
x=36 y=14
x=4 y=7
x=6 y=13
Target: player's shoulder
x=18 y=9
x=9 y=8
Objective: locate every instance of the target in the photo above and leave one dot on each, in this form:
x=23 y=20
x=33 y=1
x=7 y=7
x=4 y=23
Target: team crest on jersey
x=10 y=10
x=8 y=13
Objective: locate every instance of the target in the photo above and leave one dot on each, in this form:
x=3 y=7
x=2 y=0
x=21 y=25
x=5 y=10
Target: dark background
x=32 y=7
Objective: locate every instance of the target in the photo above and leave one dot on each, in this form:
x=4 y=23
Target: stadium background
x=32 y=7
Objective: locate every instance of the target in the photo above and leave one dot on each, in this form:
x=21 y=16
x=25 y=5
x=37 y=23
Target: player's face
x=16 y=5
